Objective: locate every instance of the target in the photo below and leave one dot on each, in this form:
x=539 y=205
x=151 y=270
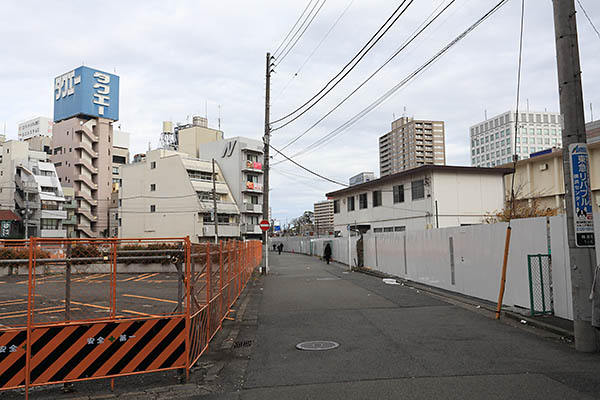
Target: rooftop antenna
x=393 y=116
x=591 y=116
x=149 y=145
x=206 y=109
x=485 y=114
x=5 y=122
x=527 y=105
x=219 y=119
x=115 y=69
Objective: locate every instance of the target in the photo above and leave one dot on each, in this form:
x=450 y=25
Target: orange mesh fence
x=110 y=307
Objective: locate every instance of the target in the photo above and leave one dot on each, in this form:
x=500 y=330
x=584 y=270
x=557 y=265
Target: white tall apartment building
x=493 y=141
x=410 y=144
x=324 y=216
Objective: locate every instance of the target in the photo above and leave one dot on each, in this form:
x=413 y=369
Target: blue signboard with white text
x=582 y=195
x=86 y=91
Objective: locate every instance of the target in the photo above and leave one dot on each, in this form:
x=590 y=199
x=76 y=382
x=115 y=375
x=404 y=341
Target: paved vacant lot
x=136 y=295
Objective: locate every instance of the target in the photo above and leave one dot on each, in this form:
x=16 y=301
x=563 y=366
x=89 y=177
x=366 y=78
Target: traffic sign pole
x=265 y=225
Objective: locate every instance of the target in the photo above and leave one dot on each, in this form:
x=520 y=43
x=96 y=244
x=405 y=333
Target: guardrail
x=83 y=312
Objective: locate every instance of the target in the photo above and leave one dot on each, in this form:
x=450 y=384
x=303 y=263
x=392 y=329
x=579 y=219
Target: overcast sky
x=175 y=58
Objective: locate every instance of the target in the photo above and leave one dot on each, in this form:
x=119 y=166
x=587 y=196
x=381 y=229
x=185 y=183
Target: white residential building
x=169 y=194
x=40 y=126
x=240 y=159
x=30 y=187
x=426 y=197
x=493 y=140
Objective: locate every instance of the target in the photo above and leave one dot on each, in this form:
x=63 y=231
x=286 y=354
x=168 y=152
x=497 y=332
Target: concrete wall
x=315 y=247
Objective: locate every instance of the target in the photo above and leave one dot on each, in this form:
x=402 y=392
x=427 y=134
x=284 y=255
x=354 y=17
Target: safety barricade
x=80 y=309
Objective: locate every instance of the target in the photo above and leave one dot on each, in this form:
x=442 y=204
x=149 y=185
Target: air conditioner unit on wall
x=543 y=166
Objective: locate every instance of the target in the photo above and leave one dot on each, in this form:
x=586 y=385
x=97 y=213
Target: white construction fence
x=466 y=260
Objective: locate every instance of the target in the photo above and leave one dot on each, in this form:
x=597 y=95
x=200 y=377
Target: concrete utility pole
x=266 y=140
x=582 y=259
x=214 y=193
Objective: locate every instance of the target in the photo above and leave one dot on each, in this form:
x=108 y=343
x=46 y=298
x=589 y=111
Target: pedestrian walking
x=327 y=252
x=280 y=248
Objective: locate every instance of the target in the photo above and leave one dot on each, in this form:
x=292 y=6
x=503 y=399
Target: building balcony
x=87 y=214
x=71 y=205
x=87 y=148
x=252 y=208
x=54 y=214
x=86 y=230
x=53 y=233
x=225 y=230
x=70 y=221
x=87 y=197
x=87 y=164
x=252 y=166
x=87 y=180
x=252 y=187
x=250 y=228
x=87 y=130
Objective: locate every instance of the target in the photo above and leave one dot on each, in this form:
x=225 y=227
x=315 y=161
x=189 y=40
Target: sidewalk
x=395 y=342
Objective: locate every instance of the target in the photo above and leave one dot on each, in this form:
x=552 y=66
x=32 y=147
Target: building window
x=201 y=175
x=58 y=164
x=378 y=230
x=153 y=165
x=350 y=201
x=376 y=198
x=115 y=170
x=152 y=208
x=253 y=199
x=388 y=229
x=362 y=201
x=399 y=228
x=418 y=189
x=48 y=223
x=336 y=206
x=119 y=160
x=153 y=187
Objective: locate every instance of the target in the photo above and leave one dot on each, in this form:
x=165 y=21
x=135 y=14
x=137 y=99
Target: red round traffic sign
x=264 y=225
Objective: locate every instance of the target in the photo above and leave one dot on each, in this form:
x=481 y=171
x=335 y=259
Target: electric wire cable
x=588 y=18
x=351 y=64
x=515 y=158
x=302 y=34
x=293 y=27
x=308 y=170
x=313 y=51
x=331 y=135
x=414 y=35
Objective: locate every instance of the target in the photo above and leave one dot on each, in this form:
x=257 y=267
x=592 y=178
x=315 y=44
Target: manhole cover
x=317 y=345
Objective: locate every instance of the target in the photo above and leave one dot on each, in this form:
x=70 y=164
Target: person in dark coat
x=280 y=248
x=327 y=252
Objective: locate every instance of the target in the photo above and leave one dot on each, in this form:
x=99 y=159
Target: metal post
x=214 y=193
x=582 y=260
x=437 y=219
x=68 y=284
x=349 y=248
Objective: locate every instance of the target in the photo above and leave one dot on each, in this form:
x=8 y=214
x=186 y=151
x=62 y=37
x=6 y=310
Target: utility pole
x=266 y=140
x=214 y=196
x=582 y=260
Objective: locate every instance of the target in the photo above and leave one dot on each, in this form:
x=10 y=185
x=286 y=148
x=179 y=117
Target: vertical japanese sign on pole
x=582 y=202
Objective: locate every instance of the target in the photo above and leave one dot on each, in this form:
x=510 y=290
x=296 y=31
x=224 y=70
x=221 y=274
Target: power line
x=351 y=64
x=314 y=50
x=302 y=34
x=331 y=135
x=293 y=27
x=308 y=170
x=415 y=34
x=588 y=18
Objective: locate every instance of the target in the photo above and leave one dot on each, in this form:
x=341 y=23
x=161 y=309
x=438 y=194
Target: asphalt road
x=395 y=342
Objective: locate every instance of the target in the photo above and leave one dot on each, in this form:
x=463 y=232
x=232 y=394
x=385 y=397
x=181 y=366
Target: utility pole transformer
x=266 y=140
x=582 y=260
